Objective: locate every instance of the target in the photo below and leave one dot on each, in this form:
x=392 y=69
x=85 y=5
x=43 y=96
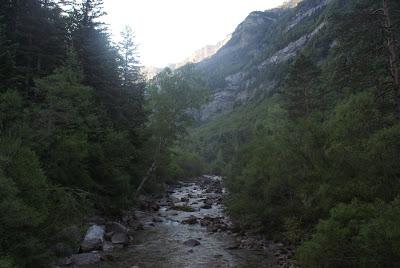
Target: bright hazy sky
x=167 y=31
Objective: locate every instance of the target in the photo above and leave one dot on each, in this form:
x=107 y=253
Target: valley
x=296 y=114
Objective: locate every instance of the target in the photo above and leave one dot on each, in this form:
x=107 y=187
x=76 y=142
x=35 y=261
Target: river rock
x=107 y=246
x=191 y=243
x=147 y=203
x=86 y=258
x=157 y=219
x=116 y=227
x=206 y=206
x=108 y=235
x=191 y=220
x=208 y=201
x=235 y=245
x=183 y=208
x=120 y=238
x=64 y=261
x=93 y=239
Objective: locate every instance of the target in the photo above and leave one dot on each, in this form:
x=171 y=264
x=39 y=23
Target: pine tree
x=39 y=30
x=130 y=72
x=133 y=84
x=99 y=59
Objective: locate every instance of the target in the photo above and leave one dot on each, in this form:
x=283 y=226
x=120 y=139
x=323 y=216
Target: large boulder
x=93 y=239
x=86 y=258
x=120 y=238
x=117 y=233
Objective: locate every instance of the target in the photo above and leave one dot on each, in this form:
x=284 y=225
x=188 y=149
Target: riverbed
x=189 y=230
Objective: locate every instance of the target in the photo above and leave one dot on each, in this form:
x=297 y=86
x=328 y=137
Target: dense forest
x=76 y=138
x=313 y=161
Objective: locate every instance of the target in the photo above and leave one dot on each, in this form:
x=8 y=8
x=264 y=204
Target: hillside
x=249 y=65
x=303 y=122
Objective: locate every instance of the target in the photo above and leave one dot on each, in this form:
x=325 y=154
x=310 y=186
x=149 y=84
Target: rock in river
x=116 y=227
x=191 y=243
x=120 y=238
x=93 y=239
x=206 y=206
x=191 y=220
x=107 y=246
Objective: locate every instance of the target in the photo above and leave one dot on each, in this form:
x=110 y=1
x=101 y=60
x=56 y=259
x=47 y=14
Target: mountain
x=151 y=71
x=243 y=69
x=202 y=53
x=197 y=56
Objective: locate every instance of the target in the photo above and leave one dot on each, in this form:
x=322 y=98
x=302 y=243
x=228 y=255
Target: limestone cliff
x=243 y=69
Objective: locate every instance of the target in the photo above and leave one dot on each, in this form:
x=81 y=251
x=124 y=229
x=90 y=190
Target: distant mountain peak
x=202 y=53
x=197 y=56
x=291 y=3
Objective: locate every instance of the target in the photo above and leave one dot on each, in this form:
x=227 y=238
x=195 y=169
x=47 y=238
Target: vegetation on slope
x=317 y=164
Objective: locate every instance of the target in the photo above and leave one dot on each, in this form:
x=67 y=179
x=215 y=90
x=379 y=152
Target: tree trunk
x=148 y=175
x=152 y=168
x=393 y=56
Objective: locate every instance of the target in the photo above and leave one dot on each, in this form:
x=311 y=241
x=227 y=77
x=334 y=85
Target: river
x=190 y=230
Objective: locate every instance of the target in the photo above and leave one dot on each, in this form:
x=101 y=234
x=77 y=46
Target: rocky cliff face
x=202 y=53
x=198 y=56
x=150 y=71
x=265 y=42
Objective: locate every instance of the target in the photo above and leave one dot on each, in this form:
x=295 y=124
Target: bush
x=356 y=235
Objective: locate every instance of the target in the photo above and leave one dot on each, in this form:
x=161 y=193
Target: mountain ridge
x=265 y=40
x=196 y=57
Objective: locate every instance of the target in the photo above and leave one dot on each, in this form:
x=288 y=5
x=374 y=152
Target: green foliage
x=301 y=91
x=28 y=210
x=6 y=262
x=185 y=164
x=72 y=131
x=174 y=98
x=71 y=123
x=355 y=235
x=11 y=107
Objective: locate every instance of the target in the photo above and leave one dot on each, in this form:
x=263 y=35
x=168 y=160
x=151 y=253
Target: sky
x=168 y=31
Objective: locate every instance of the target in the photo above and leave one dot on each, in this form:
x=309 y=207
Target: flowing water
x=161 y=243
